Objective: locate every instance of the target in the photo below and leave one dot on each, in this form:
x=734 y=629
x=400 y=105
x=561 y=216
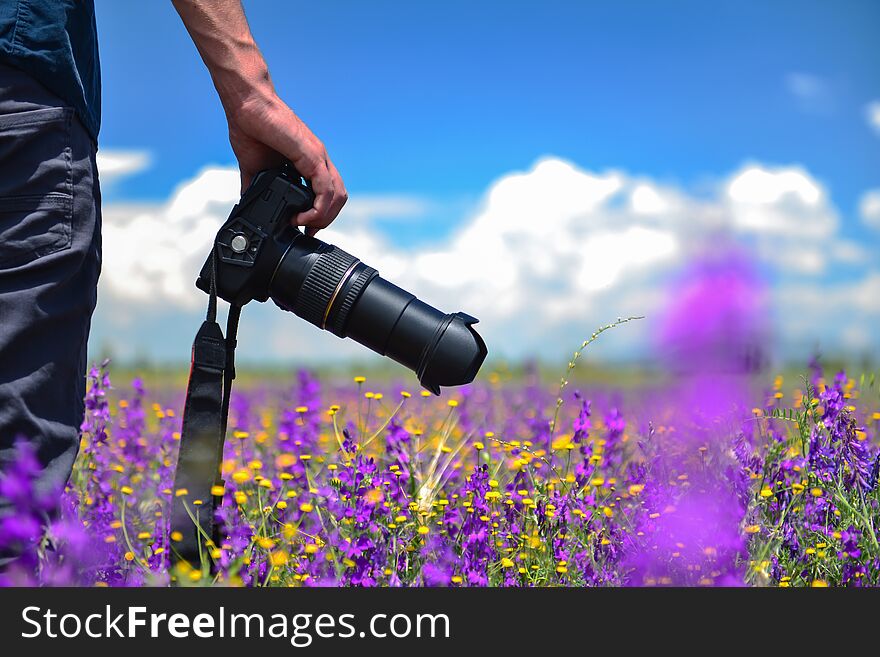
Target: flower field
x=711 y=472
x=497 y=484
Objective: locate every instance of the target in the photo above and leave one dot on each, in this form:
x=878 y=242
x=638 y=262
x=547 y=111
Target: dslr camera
x=259 y=255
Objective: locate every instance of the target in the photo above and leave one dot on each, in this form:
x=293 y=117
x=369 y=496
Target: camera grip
x=301 y=198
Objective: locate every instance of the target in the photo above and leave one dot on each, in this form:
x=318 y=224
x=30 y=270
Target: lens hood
x=455 y=354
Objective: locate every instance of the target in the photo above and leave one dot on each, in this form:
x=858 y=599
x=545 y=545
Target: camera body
x=257 y=234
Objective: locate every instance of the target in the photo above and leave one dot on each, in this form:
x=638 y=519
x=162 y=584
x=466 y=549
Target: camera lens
x=335 y=291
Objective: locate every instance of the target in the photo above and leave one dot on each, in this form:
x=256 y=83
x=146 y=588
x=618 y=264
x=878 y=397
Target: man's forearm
x=221 y=33
x=263 y=130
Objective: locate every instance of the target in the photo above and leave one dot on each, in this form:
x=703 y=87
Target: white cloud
x=812 y=93
x=116 y=164
x=151 y=256
x=549 y=254
x=648 y=199
x=849 y=253
x=872 y=114
x=841 y=305
x=866 y=294
x=153 y=252
x=385 y=207
x=869 y=208
x=784 y=202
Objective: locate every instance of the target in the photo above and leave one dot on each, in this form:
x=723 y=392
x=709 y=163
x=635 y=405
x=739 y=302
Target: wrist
x=243 y=79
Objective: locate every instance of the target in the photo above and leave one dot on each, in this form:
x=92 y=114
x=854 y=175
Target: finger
x=311 y=219
x=316 y=217
x=334 y=200
x=323 y=190
x=340 y=195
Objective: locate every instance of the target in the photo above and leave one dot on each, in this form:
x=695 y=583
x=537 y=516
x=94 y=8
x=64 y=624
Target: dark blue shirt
x=56 y=42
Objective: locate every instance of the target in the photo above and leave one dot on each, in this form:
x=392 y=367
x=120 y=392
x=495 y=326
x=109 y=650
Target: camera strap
x=203 y=433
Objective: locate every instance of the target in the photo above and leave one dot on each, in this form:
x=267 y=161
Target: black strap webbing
x=202 y=435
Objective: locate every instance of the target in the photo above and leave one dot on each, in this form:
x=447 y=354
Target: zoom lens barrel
x=333 y=290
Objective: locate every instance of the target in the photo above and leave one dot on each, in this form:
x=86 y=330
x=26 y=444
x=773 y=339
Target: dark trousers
x=50 y=258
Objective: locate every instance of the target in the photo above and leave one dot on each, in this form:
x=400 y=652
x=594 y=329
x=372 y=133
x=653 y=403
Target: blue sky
x=440 y=97
x=438 y=101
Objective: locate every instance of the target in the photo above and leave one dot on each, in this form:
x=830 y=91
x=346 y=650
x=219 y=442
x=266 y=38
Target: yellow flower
x=241 y=476
x=285 y=460
x=816 y=492
x=752 y=529
x=506 y=563
x=217 y=491
x=278 y=558
x=306 y=507
x=266 y=543
x=374 y=496
x=819 y=584
x=423 y=530
x=126 y=490
x=176 y=536
x=129 y=556
x=452 y=403
x=181 y=492
x=478 y=446
x=360 y=379
x=766 y=492
x=635 y=489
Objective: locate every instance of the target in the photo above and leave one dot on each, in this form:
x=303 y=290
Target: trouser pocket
x=36 y=187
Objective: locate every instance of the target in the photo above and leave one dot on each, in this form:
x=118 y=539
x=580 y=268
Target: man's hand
x=263 y=130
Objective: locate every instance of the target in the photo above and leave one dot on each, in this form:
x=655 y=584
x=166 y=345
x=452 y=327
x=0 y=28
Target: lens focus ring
x=339 y=315
x=320 y=284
